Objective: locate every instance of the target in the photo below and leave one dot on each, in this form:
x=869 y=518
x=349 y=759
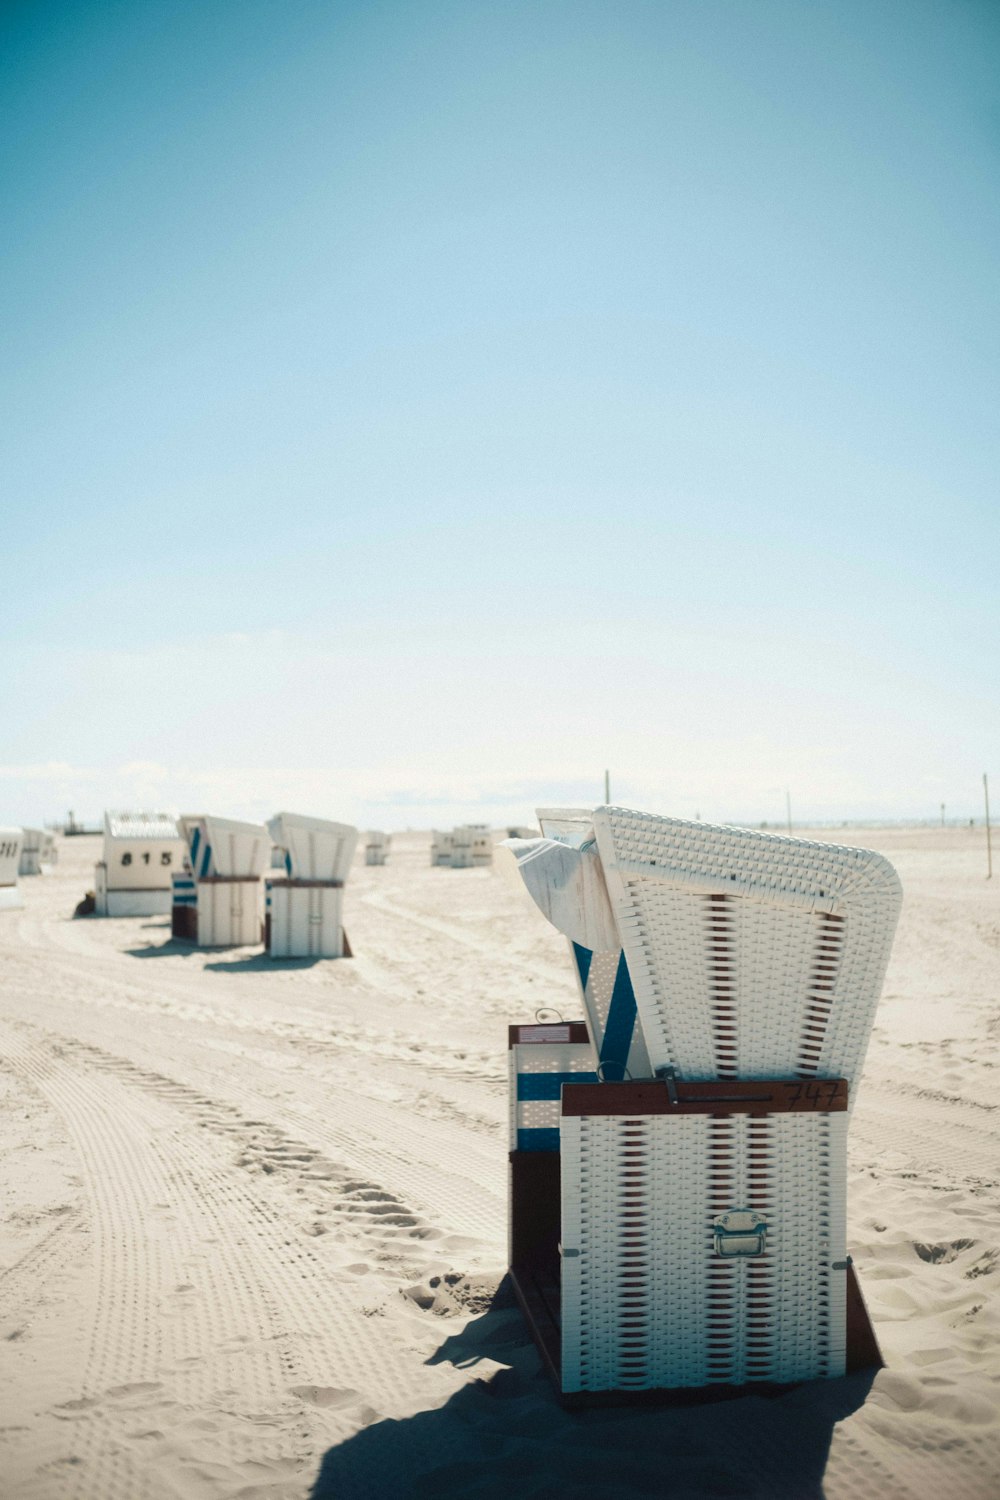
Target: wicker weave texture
x=648 y=1303
x=752 y=955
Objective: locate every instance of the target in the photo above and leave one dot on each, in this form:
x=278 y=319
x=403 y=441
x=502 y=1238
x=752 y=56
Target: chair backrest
x=237 y=850
x=752 y=955
x=316 y=848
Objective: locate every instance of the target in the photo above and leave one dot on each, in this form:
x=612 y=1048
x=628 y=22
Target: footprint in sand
x=323 y=1395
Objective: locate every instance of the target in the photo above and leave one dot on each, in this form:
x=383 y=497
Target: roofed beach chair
x=142 y=850
x=304 y=909
x=10 y=858
x=376 y=846
x=227 y=859
x=702 y=1213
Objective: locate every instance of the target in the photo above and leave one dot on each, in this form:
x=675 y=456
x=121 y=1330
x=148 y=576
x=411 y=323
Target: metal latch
x=741 y=1231
x=668 y=1076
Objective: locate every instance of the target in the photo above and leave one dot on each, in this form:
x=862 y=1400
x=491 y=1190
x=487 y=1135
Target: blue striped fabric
x=538 y=1140
x=544 y=1086
x=616 y=1043
x=184 y=891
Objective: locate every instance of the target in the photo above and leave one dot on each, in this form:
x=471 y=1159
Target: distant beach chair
x=142 y=851
x=440 y=847
x=702 y=1212
x=36 y=852
x=467 y=846
x=376 y=847
x=10 y=858
x=226 y=860
x=304 y=909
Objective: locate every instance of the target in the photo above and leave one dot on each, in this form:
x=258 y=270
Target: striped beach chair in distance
x=227 y=859
x=304 y=909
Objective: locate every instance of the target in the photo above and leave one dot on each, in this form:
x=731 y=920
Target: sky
x=411 y=409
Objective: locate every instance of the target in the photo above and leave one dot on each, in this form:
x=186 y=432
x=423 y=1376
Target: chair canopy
x=232 y=848
x=315 y=848
x=753 y=955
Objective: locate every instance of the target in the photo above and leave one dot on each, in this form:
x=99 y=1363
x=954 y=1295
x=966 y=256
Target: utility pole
x=607 y=788
x=788 y=809
x=989 y=845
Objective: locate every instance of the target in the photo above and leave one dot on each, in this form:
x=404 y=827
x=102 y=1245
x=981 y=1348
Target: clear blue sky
x=411 y=408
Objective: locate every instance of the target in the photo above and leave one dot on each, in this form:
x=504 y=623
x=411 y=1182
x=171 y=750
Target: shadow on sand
x=171 y=948
x=260 y=963
x=506 y=1436
x=257 y=963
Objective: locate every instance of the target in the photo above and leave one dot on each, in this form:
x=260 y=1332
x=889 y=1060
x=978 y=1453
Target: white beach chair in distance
x=32 y=845
x=377 y=846
x=142 y=850
x=441 y=847
x=304 y=909
x=10 y=858
x=227 y=858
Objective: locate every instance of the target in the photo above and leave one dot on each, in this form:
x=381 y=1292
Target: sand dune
x=254 y=1214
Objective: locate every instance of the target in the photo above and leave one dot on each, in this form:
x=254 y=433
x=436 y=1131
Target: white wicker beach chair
x=702 y=1220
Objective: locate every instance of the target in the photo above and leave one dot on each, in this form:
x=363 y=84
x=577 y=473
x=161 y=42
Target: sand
x=254 y=1213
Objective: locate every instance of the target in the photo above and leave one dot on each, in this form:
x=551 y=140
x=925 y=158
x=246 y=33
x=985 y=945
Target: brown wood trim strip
x=723 y=1096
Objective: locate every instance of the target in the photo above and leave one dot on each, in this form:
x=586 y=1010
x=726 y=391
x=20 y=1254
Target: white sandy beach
x=254 y=1213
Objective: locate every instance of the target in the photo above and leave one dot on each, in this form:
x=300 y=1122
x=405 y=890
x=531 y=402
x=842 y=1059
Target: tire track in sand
x=205 y=1298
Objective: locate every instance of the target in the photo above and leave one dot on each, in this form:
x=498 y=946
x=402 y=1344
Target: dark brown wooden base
x=184 y=923
x=535 y=1278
